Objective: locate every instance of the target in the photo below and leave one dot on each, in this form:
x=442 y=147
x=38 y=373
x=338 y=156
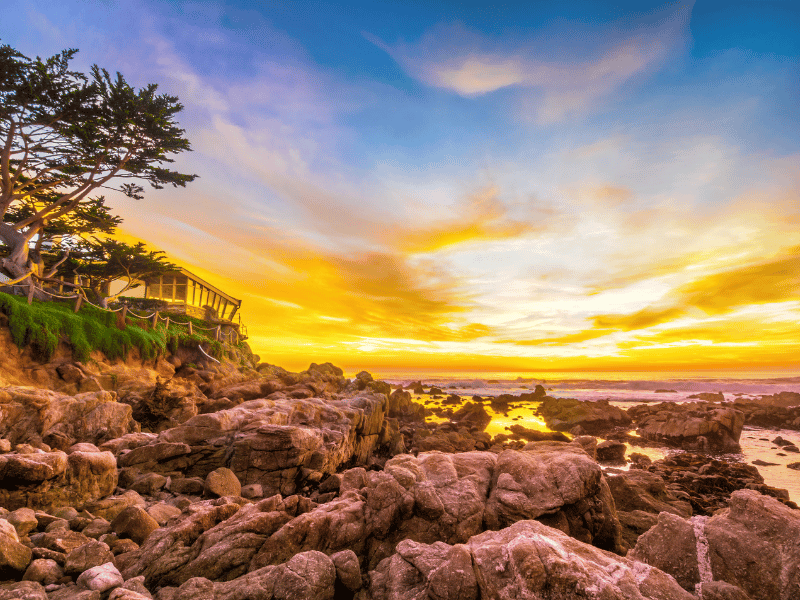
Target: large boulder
x=558 y=483
x=594 y=417
x=527 y=560
x=36 y=416
x=751 y=545
x=692 y=426
x=275 y=443
x=46 y=480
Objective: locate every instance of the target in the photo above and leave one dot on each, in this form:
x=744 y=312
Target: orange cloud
x=484 y=218
x=775 y=280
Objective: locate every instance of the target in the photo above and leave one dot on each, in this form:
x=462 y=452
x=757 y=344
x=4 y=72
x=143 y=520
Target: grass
x=42 y=325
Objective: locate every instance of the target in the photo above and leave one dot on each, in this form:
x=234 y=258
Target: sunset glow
x=410 y=187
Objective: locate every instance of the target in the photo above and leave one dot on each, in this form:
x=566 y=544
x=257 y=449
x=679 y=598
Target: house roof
x=207 y=285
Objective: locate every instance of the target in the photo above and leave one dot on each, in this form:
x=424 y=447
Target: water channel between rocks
x=756 y=442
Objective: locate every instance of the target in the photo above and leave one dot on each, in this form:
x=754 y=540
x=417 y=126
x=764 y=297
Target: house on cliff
x=183 y=292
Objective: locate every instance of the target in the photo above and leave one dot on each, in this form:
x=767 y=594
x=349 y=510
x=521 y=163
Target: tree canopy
x=64 y=135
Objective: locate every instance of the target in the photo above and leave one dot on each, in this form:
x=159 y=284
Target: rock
x=594 y=417
x=46 y=480
x=754 y=530
x=91 y=554
x=125 y=594
x=60 y=420
x=192 y=486
x=348 y=571
x=472 y=414
x=96 y=528
x=532 y=435
x=162 y=512
x=63 y=541
x=525 y=560
x=795 y=466
x=24 y=590
x=222 y=482
x=101 y=578
x=24 y=520
x=134 y=523
x=306 y=576
x=44 y=571
x=691 y=426
x=557 y=481
x=14 y=557
x=252 y=491
x=611 y=451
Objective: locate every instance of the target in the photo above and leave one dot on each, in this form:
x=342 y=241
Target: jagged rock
x=29 y=415
x=594 y=417
x=751 y=545
x=45 y=480
x=557 y=481
x=306 y=576
x=639 y=496
x=525 y=560
x=691 y=426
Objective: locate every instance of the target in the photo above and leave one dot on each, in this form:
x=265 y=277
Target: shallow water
x=756 y=443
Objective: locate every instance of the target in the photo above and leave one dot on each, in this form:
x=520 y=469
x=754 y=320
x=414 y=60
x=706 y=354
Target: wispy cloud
x=470 y=64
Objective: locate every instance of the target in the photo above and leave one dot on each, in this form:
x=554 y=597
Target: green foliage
x=41 y=325
x=65 y=134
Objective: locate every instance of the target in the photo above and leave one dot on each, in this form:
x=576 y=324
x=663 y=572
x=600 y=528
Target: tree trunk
x=18 y=262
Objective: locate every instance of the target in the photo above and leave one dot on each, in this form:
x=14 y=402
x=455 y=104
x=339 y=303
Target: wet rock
x=691 y=426
x=594 y=417
x=611 y=451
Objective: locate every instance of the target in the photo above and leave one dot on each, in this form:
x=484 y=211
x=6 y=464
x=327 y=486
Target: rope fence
x=230 y=335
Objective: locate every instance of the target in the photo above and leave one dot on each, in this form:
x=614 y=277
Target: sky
x=474 y=186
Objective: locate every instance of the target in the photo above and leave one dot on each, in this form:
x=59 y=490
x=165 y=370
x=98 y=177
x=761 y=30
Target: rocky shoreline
x=184 y=479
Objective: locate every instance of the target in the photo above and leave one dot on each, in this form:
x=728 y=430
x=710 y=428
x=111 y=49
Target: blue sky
x=523 y=186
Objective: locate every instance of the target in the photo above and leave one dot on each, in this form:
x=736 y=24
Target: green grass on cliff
x=42 y=325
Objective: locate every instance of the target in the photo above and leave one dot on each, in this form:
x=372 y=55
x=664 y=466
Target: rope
x=206 y=354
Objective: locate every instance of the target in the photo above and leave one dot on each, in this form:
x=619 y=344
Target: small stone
x=5 y=446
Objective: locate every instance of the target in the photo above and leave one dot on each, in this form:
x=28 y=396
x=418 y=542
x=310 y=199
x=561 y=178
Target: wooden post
x=166 y=324
x=190 y=328
x=155 y=319
x=78 y=302
x=30 y=292
x=219 y=332
x=124 y=312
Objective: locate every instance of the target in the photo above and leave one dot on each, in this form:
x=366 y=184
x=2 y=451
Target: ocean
x=627 y=389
